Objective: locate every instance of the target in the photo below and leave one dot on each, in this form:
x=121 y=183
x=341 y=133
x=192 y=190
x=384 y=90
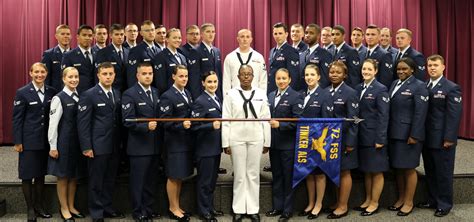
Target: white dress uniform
x=246 y=141
x=232 y=65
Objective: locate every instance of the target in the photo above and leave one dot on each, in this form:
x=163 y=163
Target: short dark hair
x=144 y=64
x=104 y=65
x=178 y=67
x=100 y=26
x=339 y=63
x=408 y=61
x=340 y=28
x=316 y=27
x=283 y=70
x=280 y=25
x=206 y=74
x=435 y=57
x=84 y=27
x=115 y=27
x=372 y=26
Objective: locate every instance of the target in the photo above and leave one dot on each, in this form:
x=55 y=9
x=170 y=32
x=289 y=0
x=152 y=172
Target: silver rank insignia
x=81 y=108
x=294 y=63
x=125 y=106
x=16 y=103
x=424 y=98
x=300 y=106
x=132 y=62
x=355 y=62
x=63 y=66
x=386 y=99
x=330 y=108
x=326 y=64
x=194 y=114
x=355 y=105
x=458 y=99
x=421 y=68
x=191 y=62
x=164 y=109
x=388 y=65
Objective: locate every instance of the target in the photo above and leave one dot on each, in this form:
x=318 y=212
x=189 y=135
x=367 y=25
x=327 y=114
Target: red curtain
x=439 y=26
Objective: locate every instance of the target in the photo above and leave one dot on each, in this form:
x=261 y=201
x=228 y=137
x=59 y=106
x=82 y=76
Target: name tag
x=78 y=64
x=146 y=60
x=339 y=102
x=281 y=58
x=212 y=109
x=141 y=104
x=439 y=96
x=172 y=64
x=113 y=63
x=314 y=105
x=70 y=104
x=55 y=62
x=205 y=59
x=33 y=103
x=181 y=104
x=406 y=93
x=101 y=104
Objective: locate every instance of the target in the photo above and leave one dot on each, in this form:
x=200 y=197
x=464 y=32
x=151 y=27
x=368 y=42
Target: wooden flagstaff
x=356 y=120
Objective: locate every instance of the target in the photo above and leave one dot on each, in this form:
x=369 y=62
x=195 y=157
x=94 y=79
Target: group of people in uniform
x=78 y=132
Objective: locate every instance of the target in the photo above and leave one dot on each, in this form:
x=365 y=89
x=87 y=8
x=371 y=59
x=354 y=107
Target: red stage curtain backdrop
x=439 y=26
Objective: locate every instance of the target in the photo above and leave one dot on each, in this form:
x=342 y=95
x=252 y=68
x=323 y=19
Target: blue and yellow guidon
x=318 y=143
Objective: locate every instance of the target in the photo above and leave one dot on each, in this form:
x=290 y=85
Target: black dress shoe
x=394 y=208
x=71 y=219
x=78 y=215
x=337 y=216
x=312 y=216
x=327 y=210
x=98 y=220
x=114 y=214
x=404 y=214
x=284 y=217
x=42 y=214
x=155 y=215
x=304 y=213
x=217 y=213
x=221 y=171
x=237 y=217
x=208 y=218
x=361 y=209
x=273 y=213
x=267 y=168
x=254 y=217
x=426 y=205
x=188 y=213
x=441 y=212
x=141 y=219
x=174 y=217
x=367 y=213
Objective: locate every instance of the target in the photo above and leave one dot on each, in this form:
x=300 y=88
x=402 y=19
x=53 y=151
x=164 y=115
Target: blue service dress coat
x=350 y=57
x=52 y=59
x=408 y=108
x=285 y=57
x=322 y=58
x=282 y=149
x=385 y=66
x=193 y=59
x=110 y=54
x=178 y=140
x=71 y=163
x=30 y=128
x=142 y=147
x=86 y=68
x=211 y=61
x=164 y=65
x=302 y=47
x=442 y=124
x=346 y=105
x=418 y=58
x=374 y=108
x=362 y=51
x=138 y=54
x=208 y=148
x=99 y=121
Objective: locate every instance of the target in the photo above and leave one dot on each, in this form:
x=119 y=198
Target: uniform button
x=42 y=116
x=42 y=124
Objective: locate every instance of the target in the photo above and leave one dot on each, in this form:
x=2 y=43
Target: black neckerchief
x=240 y=59
x=248 y=101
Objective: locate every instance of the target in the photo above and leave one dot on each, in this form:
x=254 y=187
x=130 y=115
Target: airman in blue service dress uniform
x=317 y=103
x=442 y=124
x=383 y=58
x=176 y=102
x=284 y=103
x=52 y=57
x=142 y=101
x=406 y=132
x=82 y=58
x=372 y=139
x=193 y=60
x=208 y=146
x=347 y=54
x=404 y=37
x=167 y=60
x=346 y=105
x=210 y=55
x=66 y=161
x=99 y=120
x=30 y=129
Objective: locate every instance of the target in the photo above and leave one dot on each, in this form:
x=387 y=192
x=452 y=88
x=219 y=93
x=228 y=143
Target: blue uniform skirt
x=70 y=166
x=32 y=163
x=373 y=160
x=404 y=156
x=179 y=165
x=350 y=160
